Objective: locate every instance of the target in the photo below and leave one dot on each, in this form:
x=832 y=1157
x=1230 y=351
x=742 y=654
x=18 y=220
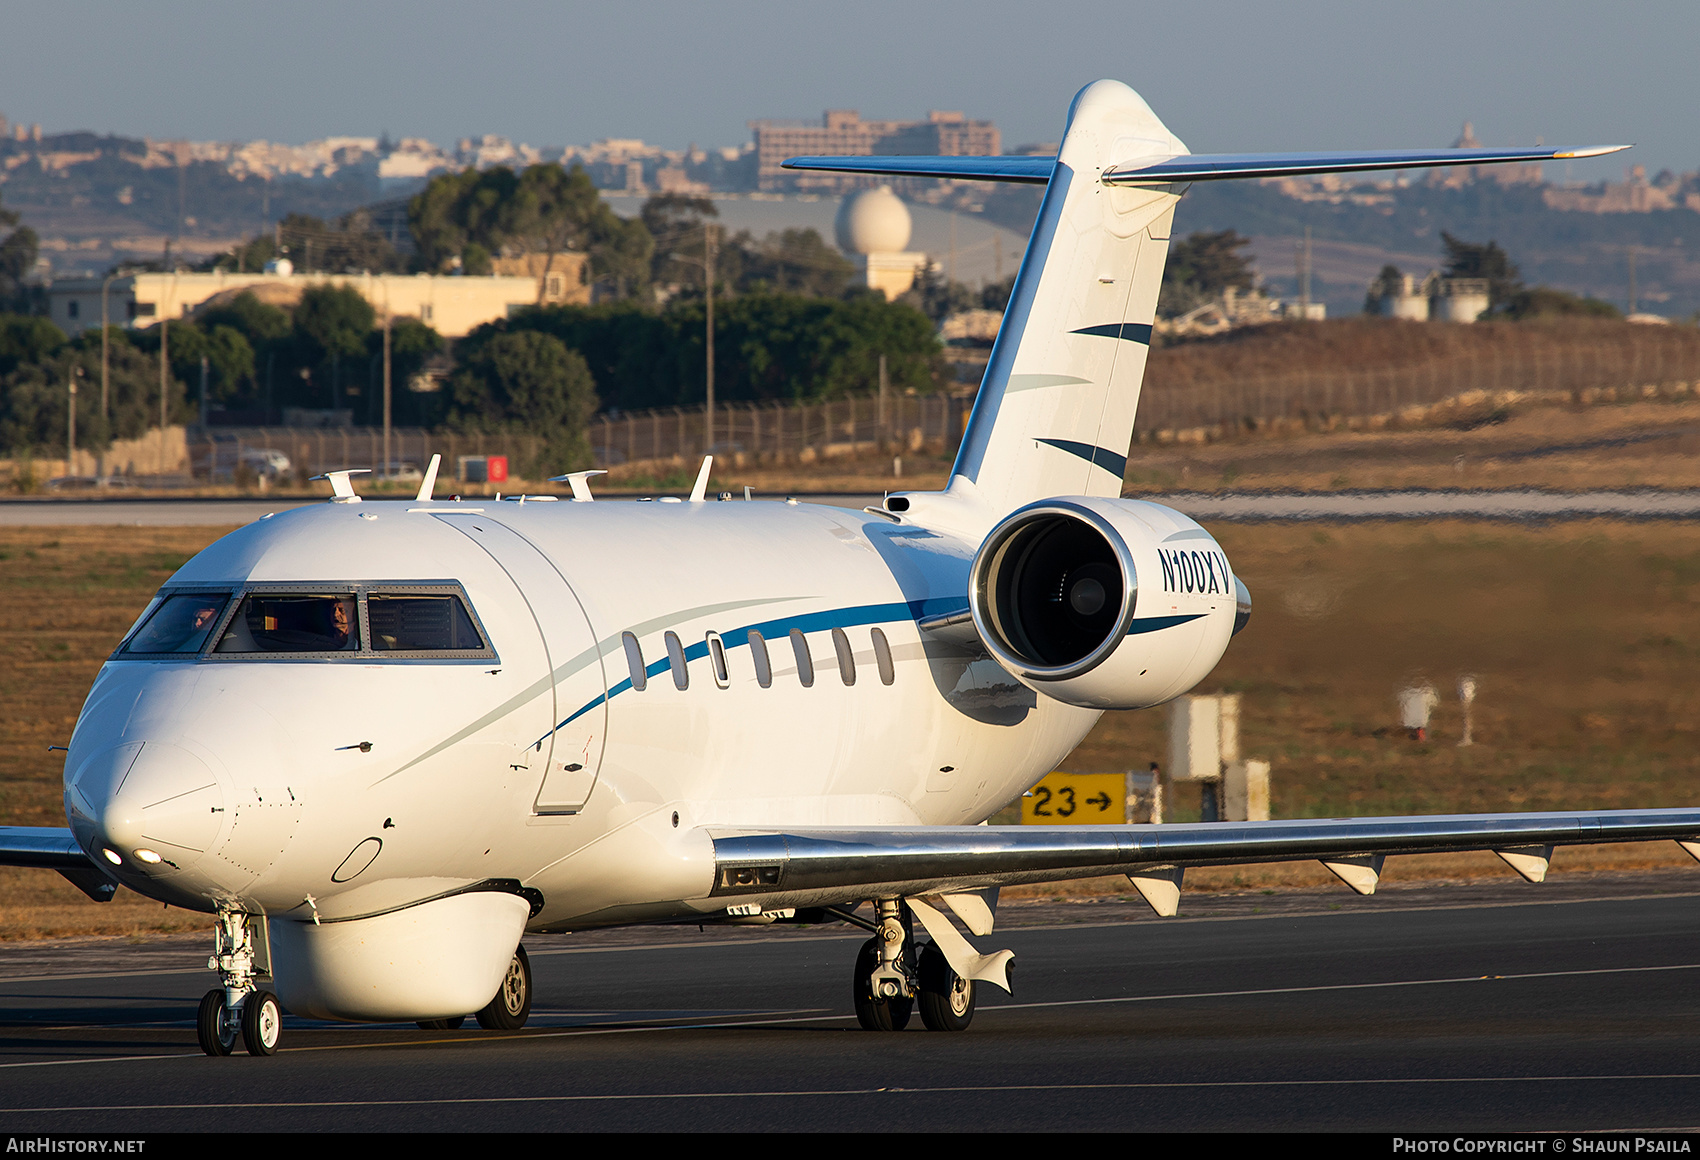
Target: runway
x=1495 y=1006
x=1522 y=506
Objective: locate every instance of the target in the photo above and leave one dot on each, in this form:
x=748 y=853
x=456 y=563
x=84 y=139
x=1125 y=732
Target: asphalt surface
x=1472 y=1007
x=1525 y=505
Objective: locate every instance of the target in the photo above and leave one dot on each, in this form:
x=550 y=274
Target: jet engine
x=1105 y=603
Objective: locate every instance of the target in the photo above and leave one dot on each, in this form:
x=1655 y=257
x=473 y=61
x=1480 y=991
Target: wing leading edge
x=1163 y=170
x=815 y=867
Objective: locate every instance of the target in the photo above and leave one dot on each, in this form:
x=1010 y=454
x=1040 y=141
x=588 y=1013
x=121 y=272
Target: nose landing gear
x=239 y=1009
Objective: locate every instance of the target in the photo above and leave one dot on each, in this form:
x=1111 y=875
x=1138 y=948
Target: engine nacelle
x=1105 y=603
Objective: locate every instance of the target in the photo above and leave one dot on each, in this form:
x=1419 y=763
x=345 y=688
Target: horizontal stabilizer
x=1190 y=166
x=1217 y=166
x=1023 y=169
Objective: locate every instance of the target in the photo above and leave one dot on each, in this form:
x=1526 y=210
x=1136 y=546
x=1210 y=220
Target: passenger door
x=569 y=753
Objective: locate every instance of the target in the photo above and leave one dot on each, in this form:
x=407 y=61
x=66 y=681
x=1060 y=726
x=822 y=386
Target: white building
x=451 y=305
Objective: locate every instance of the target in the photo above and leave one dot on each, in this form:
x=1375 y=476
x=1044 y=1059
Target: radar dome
x=874 y=221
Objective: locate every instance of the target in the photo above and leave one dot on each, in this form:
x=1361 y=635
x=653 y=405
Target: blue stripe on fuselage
x=836 y=618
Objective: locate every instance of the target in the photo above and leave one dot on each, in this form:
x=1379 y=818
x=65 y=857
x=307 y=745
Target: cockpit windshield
x=399 y=621
x=180 y=624
x=293 y=624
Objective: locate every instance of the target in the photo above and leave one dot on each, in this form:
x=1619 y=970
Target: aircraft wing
x=1161 y=170
x=43 y=847
x=51 y=848
x=822 y=867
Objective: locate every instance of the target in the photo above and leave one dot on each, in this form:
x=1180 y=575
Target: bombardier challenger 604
x=380 y=741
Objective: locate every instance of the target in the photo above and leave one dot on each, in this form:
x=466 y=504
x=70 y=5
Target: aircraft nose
x=146 y=801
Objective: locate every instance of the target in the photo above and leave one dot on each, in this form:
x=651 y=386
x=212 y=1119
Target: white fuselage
x=357 y=784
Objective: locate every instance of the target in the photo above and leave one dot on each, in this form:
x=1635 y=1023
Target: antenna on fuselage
x=342 y=489
x=578 y=481
x=700 y=491
x=429 y=482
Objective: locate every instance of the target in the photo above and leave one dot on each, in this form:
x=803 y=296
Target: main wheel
x=947 y=999
x=443 y=1024
x=876 y=1014
x=511 y=1007
x=216 y=1033
x=262 y=1023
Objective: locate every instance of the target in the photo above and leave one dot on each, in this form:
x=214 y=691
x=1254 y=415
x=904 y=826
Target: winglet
x=700 y=491
x=342 y=489
x=430 y=480
x=579 y=482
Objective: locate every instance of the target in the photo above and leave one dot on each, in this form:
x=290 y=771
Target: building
x=843 y=133
x=452 y=305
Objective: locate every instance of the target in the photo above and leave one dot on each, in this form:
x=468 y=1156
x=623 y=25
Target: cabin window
x=805 y=663
x=180 y=623
x=846 y=657
x=421 y=624
x=882 y=657
x=634 y=662
x=294 y=624
x=758 y=654
x=717 y=660
x=676 y=660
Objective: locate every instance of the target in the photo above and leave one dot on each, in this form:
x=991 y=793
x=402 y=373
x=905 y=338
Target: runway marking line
x=699 y=1025
x=951 y=1089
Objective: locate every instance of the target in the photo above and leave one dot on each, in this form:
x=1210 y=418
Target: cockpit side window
x=420 y=624
x=294 y=623
x=180 y=623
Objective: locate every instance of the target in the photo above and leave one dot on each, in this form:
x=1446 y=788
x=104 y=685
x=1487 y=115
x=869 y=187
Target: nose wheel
x=240 y=1008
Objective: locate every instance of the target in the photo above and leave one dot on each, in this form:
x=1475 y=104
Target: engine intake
x=1054 y=591
x=1056 y=597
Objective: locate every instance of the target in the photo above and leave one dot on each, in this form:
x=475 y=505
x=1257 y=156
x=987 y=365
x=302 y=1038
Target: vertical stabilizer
x=1055 y=411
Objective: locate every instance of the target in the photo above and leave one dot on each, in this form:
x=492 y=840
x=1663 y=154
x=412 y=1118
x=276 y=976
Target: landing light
x=112 y=856
x=147 y=856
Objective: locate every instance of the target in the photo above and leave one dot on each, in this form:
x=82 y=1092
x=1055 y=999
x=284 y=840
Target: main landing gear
x=240 y=1008
x=891 y=979
x=508 y=1011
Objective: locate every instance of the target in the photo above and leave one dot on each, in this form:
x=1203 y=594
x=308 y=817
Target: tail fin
x=1055 y=410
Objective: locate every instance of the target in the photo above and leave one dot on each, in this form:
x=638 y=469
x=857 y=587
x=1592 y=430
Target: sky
x=1302 y=74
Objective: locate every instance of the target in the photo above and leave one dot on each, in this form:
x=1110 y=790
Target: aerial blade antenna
x=579 y=482
x=700 y=491
x=430 y=480
x=342 y=489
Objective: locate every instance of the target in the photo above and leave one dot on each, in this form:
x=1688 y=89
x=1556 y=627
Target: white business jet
x=380 y=741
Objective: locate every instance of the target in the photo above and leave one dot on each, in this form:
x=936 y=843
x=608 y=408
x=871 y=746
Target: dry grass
x=1585 y=638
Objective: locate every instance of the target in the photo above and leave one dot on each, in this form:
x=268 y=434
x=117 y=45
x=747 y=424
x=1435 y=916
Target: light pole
x=386 y=381
x=708 y=241
x=105 y=351
x=71 y=420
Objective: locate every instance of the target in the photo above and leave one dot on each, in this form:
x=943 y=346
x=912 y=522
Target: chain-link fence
x=1663 y=362
x=850 y=424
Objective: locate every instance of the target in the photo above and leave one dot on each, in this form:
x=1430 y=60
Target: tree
x=17 y=258
x=529 y=382
x=554 y=210
x=1200 y=267
x=1390 y=281
x=1545 y=302
x=330 y=326
x=677 y=225
x=1488 y=262
x=792 y=261
x=26 y=338
x=33 y=396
